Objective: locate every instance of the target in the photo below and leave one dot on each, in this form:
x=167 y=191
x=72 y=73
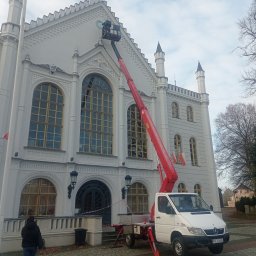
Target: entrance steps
x=109 y=236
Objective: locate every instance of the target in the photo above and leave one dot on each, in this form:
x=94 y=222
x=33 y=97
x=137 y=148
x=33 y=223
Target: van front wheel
x=216 y=249
x=179 y=247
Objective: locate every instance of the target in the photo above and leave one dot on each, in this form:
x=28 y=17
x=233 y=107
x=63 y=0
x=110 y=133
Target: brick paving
x=242 y=243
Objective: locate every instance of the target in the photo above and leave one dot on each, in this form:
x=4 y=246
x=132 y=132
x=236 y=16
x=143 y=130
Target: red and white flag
x=181 y=158
x=5 y=136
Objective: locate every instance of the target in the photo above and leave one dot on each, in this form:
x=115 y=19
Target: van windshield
x=189 y=203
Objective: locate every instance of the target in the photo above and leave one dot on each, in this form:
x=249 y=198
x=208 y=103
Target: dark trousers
x=29 y=251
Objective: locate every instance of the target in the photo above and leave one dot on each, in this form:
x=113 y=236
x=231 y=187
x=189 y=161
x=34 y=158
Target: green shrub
x=253 y=201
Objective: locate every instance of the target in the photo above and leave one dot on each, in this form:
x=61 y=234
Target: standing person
x=31 y=237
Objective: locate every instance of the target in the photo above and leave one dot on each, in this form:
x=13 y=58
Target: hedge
x=245 y=201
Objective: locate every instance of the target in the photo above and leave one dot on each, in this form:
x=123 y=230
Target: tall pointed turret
x=9 y=36
x=159 y=60
x=162 y=86
x=207 y=137
x=14 y=12
x=200 y=78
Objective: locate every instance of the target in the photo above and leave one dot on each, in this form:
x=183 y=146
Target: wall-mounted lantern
x=73 y=179
x=128 y=182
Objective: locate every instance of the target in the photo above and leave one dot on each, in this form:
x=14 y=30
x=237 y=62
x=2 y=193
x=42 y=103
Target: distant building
x=73 y=111
x=227 y=194
x=240 y=191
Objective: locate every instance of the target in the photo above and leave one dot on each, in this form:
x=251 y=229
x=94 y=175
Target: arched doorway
x=94 y=198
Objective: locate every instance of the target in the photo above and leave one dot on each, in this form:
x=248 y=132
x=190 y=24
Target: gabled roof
x=242 y=186
x=61 y=13
x=76 y=9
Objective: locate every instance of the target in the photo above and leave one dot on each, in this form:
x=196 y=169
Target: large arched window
x=193 y=154
x=177 y=147
x=137 y=198
x=182 y=188
x=96 y=128
x=197 y=189
x=137 y=137
x=175 y=110
x=190 y=117
x=45 y=129
x=38 y=196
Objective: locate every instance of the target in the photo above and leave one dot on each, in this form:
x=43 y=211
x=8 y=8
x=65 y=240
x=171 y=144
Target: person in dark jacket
x=31 y=237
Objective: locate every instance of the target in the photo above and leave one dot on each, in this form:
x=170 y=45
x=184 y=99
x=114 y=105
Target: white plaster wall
x=188 y=174
x=55 y=43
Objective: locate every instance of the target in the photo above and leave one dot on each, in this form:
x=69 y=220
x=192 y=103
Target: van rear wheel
x=216 y=249
x=130 y=240
x=179 y=247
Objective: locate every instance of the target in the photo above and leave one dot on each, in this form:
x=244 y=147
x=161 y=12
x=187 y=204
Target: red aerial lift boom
x=113 y=34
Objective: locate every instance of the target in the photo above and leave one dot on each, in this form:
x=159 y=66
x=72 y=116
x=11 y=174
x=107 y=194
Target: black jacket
x=31 y=235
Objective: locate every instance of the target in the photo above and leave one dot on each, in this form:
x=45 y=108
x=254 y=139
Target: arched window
x=190 y=114
x=137 y=198
x=177 y=147
x=96 y=127
x=175 y=110
x=38 y=195
x=45 y=129
x=137 y=137
x=182 y=188
x=197 y=189
x=193 y=153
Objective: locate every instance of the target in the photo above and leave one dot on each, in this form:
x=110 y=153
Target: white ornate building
x=72 y=110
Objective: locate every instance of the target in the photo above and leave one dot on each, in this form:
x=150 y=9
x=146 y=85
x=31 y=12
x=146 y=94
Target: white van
x=186 y=221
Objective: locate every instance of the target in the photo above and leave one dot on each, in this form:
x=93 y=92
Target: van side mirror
x=211 y=208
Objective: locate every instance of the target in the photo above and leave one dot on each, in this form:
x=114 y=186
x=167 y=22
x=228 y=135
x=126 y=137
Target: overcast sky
x=188 y=31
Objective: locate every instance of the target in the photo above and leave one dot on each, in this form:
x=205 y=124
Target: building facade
x=67 y=108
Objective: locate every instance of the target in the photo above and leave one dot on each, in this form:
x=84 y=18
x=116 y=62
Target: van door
x=164 y=219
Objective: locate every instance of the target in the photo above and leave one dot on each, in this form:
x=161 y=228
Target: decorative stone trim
x=61 y=13
x=179 y=91
x=61 y=27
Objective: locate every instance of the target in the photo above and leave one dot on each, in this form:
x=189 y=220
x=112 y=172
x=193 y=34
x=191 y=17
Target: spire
x=158 y=49
x=159 y=60
x=199 y=67
x=200 y=78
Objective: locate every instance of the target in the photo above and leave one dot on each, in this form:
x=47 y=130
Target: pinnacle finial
x=159 y=49
x=199 y=67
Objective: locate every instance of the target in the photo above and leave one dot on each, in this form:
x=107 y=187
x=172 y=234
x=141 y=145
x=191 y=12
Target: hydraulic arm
x=114 y=35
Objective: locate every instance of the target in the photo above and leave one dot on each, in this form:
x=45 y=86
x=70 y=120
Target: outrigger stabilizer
x=113 y=33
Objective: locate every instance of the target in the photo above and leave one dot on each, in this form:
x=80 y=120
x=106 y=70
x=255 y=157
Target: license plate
x=217 y=241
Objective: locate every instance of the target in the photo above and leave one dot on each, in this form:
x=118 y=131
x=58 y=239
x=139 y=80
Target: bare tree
x=252 y=163
x=235 y=141
x=248 y=47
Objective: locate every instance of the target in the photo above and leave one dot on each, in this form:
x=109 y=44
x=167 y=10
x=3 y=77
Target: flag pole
x=12 y=124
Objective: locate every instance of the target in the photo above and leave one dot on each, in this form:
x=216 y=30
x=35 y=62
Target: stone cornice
x=8 y=38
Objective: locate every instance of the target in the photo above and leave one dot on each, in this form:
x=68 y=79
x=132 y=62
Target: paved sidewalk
x=242 y=243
